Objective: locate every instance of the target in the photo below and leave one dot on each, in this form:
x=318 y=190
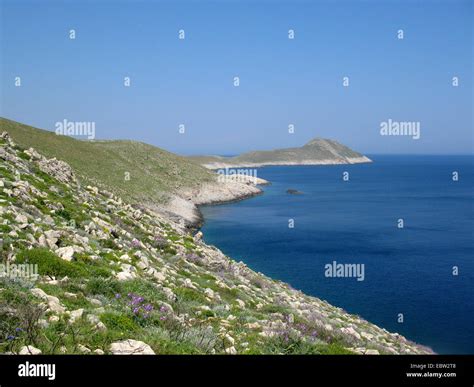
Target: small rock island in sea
x=292 y=191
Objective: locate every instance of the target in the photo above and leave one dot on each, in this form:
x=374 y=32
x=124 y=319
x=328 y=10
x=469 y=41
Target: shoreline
x=347 y=161
x=200 y=223
x=184 y=207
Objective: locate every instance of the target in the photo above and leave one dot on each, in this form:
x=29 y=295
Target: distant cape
x=316 y=152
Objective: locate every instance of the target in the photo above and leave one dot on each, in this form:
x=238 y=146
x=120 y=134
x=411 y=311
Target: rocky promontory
x=185 y=205
x=316 y=152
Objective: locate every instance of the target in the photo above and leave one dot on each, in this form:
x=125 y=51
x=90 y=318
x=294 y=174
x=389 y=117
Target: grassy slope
x=153 y=172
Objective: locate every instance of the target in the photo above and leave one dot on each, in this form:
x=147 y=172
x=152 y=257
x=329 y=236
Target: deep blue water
x=407 y=270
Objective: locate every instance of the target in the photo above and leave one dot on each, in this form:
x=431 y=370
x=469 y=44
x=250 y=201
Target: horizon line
x=192 y=154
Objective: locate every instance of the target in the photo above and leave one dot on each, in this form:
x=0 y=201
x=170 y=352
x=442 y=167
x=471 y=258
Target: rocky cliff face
x=116 y=278
x=183 y=206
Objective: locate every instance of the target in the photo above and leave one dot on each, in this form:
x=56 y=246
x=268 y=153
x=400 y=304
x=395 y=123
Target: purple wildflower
x=192 y=257
x=160 y=241
x=136 y=243
x=148 y=307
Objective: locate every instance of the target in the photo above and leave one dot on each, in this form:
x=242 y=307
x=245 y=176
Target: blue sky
x=282 y=81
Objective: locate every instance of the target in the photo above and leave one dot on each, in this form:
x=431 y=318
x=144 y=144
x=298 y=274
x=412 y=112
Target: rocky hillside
x=139 y=173
x=114 y=278
x=316 y=152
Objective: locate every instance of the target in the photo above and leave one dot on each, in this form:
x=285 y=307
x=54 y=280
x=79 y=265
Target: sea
x=406 y=221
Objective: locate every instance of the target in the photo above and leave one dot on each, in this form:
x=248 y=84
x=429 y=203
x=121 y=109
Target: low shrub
x=106 y=287
x=50 y=264
x=119 y=322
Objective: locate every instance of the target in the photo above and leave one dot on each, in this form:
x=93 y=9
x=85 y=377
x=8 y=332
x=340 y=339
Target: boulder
x=100 y=326
x=372 y=352
x=52 y=237
x=29 y=350
x=169 y=294
x=144 y=263
x=231 y=351
x=352 y=332
x=131 y=347
x=209 y=293
x=65 y=253
x=128 y=272
x=83 y=349
x=229 y=339
x=189 y=284
x=125 y=258
x=240 y=303
x=58 y=169
x=20 y=218
x=53 y=302
x=367 y=336
x=159 y=276
x=76 y=315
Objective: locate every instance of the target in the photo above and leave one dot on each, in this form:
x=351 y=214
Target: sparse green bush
x=119 y=322
x=18 y=319
x=106 y=287
x=192 y=295
x=170 y=250
x=50 y=264
x=108 y=244
x=23 y=155
x=64 y=214
x=273 y=308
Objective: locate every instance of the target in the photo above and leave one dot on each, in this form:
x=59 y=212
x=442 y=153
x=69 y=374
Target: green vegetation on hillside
x=153 y=173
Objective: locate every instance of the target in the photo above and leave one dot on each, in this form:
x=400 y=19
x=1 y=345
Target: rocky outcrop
x=56 y=168
x=131 y=347
x=53 y=302
x=29 y=350
x=226 y=188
